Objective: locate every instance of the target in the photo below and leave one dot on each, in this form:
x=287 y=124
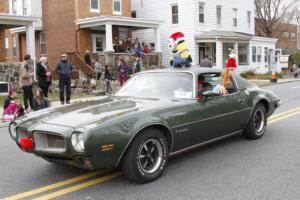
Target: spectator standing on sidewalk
x=43 y=72
x=98 y=70
x=64 y=70
x=25 y=82
x=87 y=58
x=206 y=62
x=107 y=80
x=124 y=72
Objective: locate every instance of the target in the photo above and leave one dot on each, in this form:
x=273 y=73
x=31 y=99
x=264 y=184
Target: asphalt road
x=235 y=168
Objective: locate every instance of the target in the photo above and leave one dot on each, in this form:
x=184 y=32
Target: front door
x=98 y=41
x=201 y=53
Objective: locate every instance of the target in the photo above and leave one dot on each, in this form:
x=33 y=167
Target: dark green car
x=154 y=115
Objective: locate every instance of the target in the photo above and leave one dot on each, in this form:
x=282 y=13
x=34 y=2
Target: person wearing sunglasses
x=64 y=71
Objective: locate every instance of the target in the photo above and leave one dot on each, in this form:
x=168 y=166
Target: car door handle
x=241 y=100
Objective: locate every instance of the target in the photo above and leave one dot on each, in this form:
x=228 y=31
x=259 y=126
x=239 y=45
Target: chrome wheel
x=150 y=156
x=259 y=121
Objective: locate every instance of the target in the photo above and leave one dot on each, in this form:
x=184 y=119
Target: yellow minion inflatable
x=181 y=56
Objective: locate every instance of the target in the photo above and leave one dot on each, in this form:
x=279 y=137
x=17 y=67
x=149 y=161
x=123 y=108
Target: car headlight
x=13 y=130
x=77 y=140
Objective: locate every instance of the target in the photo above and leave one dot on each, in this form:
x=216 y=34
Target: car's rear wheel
x=146 y=157
x=258 y=122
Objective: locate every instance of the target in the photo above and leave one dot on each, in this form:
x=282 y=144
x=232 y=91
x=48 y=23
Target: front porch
x=252 y=53
x=8 y=21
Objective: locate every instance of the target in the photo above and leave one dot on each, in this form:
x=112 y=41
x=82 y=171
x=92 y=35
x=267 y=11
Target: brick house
x=72 y=26
x=287 y=35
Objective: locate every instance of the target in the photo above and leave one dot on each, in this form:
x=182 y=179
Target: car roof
x=194 y=70
x=242 y=83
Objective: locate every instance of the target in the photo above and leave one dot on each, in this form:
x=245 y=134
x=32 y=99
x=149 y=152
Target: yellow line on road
x=79 y=186
x=53 y=186
x=284 y=113
x=283 y=117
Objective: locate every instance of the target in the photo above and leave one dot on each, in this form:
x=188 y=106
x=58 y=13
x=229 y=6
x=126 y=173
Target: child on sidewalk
x=12 y=107
x=39 y=102
x=107 y=80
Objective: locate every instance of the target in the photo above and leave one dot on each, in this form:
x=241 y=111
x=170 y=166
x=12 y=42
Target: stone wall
x=9 y=72
x=151 y=61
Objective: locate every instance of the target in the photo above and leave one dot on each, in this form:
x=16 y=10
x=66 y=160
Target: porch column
x=236 y=50
x=219 y=54
x=30 y=45
x=108 y=36
x=2 y=46
x=157 y=40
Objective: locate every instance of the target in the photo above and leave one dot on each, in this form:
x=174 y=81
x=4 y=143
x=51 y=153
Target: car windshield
x=159 y=85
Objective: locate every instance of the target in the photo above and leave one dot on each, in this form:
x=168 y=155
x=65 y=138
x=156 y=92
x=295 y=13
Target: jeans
x=28 y=96
x=108 y=89
x=64 y=82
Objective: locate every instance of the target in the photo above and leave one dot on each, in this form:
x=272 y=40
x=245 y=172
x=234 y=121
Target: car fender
x=148 y=125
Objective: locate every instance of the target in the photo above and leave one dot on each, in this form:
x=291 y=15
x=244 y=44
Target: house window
x=234 y=17
x=201 y=12
x=256 y=54
x=14 y=7
x=219 y=15
x=123 y=34
x=266 y=54
x=94 y=6
x=25 y=7
x=243 y=54
x=14 y=45
x=249 y=18
x=174 y=14
x=42 y=43
x=286 y=35
x=133 y=14
x=293 y=36
x=117 y=6
x=6 y=48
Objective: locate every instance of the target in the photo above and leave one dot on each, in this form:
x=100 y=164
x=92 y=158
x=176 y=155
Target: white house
x=211 y=27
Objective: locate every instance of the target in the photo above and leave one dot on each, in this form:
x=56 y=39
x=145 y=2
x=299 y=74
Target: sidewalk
x=263 y=83
x=57 y=103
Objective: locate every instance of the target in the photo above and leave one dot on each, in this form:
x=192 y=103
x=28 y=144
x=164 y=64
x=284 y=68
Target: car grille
x=21 y=133
x=49 y=142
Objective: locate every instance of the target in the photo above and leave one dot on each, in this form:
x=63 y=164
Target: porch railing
x=80 y=67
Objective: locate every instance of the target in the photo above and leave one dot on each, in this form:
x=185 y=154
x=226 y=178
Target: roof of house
x=217 y=34
x=13 y=21
x=117 y=20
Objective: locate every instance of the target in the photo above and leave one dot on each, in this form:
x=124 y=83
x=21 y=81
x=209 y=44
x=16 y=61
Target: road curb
x=268 y=84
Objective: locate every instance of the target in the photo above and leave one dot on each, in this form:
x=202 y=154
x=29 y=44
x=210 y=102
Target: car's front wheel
x=146 y=157
x=258 y=122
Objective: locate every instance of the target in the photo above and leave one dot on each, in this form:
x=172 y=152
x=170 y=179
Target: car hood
x=84 y=113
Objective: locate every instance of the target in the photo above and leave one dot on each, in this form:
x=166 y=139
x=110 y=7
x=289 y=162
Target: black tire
x=146 y=157
x=257 y=124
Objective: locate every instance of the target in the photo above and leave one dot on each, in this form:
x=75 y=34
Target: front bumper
x=76 y=161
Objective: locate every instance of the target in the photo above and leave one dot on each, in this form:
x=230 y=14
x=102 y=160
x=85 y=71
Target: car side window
x=209 y=82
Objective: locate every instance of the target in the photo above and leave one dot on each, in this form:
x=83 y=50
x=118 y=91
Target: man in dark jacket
x=64 y=70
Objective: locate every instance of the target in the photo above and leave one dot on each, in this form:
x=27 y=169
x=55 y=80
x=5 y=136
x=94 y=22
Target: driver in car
x=205 y=87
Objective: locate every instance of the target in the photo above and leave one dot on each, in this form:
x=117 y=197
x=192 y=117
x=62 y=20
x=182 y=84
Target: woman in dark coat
x=44 y=75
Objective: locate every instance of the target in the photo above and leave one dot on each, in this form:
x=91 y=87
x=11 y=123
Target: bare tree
x=270 y=14
x=294 y=15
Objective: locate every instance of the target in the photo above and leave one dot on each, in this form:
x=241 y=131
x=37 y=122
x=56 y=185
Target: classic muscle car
x=156 y=114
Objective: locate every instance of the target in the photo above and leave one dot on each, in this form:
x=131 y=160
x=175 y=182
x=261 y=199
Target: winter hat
x=177 y=37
